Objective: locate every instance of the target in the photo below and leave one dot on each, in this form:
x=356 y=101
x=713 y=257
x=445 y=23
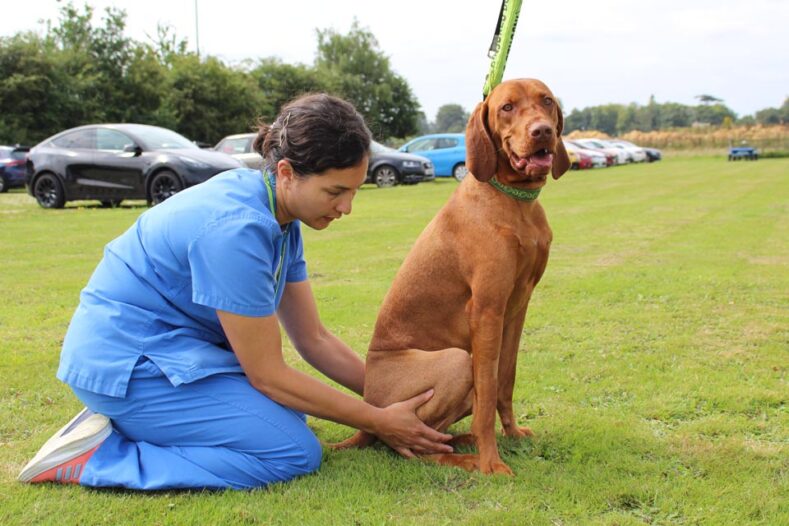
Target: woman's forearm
x=297 y=390
x=335 y=359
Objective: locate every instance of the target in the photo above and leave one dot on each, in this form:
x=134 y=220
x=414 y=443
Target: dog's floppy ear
x=561 y=161
x=480 y=150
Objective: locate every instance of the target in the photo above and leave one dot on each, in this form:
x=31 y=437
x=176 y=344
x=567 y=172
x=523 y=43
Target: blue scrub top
x=155 y=293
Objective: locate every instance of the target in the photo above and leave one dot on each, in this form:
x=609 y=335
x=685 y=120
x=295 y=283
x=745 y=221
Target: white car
x=621 y=155
x=638 y=153
x=240 y=147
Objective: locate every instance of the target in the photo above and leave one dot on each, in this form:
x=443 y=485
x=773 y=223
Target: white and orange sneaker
x=63 y=457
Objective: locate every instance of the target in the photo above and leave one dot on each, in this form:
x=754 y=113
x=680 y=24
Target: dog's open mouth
x=538 y=162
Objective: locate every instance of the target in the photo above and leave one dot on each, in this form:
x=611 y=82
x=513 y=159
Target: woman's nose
x=344 y=206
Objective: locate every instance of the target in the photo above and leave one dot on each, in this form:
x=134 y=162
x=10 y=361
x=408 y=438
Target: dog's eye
x=548 y=101
x=507 y=107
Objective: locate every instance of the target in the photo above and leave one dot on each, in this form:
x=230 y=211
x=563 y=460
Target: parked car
x=12 y=167
x=113 y=162
x=637 y=152
x=573 y=158
x=584 y=159
x=609 y=157
x=389 y=167
x=598 y=160
x=653 y=154
x=619 y=155
x=447 y=151
x=240 y=147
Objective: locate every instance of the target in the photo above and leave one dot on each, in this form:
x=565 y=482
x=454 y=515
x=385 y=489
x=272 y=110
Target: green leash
x=502 y=41
x=498 y=53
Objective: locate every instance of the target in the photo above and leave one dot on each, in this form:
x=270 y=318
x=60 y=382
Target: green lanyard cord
x=272 y=203
x=500 y=46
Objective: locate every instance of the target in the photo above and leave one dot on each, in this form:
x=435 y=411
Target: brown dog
x=466 y=283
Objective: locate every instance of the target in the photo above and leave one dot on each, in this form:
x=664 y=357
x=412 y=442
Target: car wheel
x=49 y=192
x=3 y=185
x=385 y=176
x=163 y=186
x=111 y=203
x=460 y=171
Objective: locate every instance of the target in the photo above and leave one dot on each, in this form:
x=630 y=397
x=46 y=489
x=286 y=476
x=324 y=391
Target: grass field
x=654 y=371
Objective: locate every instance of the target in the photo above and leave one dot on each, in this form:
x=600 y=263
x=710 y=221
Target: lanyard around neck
x=272 y=203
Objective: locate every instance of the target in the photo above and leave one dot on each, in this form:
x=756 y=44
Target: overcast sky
x=588 y=53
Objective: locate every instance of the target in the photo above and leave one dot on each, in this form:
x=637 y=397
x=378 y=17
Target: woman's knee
x=313 y=453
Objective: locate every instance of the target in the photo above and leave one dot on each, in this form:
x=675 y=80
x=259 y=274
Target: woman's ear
x=480 y=151
x=285 y=173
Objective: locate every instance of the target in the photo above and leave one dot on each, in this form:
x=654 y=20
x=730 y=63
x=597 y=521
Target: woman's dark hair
x=315 y=132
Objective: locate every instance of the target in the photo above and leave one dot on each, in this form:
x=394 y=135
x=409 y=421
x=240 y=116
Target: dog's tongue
x=541 y=160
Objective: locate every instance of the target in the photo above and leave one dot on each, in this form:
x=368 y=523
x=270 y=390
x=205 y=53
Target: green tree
x=713 y=114
x=280 y=82
x=209 y=100
x=451 y=118
x=353 y=66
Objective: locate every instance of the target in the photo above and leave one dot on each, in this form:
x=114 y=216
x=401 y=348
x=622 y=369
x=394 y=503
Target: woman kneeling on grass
x=175 y=347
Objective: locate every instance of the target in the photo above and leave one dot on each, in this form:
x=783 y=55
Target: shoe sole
x=59 y=449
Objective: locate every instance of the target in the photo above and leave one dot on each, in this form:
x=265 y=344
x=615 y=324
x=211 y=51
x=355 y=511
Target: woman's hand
x=402 y=430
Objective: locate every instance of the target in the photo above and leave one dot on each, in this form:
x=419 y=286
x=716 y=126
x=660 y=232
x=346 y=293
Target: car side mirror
x=404 y=149
x=132 y=148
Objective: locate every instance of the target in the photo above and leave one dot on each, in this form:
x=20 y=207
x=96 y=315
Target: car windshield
x=161 y=139
x=376 y=147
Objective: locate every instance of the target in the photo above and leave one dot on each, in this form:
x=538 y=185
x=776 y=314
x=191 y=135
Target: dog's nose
x=541 y=131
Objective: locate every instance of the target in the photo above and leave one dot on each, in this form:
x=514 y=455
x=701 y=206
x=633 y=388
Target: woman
x=175 y=347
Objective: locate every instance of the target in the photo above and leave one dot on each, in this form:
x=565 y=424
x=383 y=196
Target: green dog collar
x=517 y=193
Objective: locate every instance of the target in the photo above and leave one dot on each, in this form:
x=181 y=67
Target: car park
x=113 y=162
x=239 y=146
x=610 y=158
x=12 y=167
x=618 y=154
x=584 y=160
x=388 y=167
x=638 y=154
x=598 y=160
x=447 y=151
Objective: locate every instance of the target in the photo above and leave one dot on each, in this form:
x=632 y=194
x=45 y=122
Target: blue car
x=12 y=167
x=446 y=150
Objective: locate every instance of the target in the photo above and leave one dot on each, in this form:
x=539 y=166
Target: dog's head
x=516 y=134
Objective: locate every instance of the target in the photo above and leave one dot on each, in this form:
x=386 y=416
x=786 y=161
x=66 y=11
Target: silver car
x=240 y=147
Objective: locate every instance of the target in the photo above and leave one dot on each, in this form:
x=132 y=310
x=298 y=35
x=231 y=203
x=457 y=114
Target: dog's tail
x=360 y=439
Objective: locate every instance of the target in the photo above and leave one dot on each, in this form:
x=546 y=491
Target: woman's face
x=317 y=200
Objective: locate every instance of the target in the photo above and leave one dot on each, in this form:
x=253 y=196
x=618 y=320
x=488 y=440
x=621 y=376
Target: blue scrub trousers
x=218 y=432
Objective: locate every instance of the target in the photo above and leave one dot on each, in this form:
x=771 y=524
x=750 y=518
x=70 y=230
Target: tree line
x=79 y=73
x=617 y=119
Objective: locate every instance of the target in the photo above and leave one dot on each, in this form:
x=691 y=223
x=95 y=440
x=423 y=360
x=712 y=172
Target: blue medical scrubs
x=145 y=346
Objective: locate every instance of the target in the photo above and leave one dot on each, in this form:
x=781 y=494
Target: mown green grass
x=654 y=371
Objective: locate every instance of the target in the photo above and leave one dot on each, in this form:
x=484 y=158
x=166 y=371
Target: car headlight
x=192 y=163
x=411 y=164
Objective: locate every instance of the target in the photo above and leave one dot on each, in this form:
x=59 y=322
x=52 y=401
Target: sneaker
x=63 y=457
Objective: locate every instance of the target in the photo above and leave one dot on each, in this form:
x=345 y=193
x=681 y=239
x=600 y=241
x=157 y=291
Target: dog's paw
x=518 y=432
x=495 y=467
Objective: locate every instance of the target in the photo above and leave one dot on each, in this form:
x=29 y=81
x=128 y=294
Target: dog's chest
x=534 y=243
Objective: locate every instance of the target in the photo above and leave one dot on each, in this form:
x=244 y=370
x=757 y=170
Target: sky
x=588 y=53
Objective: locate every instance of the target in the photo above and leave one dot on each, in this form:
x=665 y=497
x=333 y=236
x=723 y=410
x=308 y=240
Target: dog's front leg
x=486 y=323
x=507 y=364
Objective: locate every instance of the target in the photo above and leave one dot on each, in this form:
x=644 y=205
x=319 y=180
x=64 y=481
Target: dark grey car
x=113 y=162
x=389 y=167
